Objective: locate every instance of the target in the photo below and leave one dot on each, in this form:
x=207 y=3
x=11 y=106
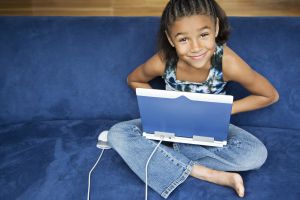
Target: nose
x=195 y=46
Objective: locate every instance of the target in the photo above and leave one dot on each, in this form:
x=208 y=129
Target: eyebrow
x=185 y=33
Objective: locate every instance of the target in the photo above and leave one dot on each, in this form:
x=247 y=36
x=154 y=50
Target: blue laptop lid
x=185 y=114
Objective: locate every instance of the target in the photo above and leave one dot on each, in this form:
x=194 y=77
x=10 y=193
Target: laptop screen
x=185 y=114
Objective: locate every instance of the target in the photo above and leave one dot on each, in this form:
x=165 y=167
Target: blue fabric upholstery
x=63 y=80
x=51 y=160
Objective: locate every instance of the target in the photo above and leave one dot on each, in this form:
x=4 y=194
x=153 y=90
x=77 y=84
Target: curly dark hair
x=179 y=8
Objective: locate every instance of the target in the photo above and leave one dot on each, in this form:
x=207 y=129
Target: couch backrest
x=55 y=68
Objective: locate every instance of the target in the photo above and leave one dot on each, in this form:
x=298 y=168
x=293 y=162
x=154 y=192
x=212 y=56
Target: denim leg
x=243 y=152
x=167 y=168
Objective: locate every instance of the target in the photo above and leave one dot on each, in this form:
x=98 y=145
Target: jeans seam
x=178 y=181
x=168 y=155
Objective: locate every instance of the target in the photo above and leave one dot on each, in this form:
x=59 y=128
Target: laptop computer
x=185 y=117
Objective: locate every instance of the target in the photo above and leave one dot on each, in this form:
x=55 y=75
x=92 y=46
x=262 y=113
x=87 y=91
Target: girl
x=193 y=57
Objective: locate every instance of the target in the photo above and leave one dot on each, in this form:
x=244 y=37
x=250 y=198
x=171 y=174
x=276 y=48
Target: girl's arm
x=140 y=77
x=262 y=91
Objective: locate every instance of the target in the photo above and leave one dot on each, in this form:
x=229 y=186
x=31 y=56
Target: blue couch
x=63 y=80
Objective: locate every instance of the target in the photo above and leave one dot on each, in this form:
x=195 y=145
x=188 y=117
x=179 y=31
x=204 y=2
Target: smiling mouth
x=198 y=57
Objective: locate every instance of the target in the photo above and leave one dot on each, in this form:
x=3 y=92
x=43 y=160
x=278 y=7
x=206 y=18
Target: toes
x=239 y=185
x=240 y=191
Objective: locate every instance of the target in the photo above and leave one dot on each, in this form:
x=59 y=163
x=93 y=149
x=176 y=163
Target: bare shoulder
x=234 y=67
x=155 y=65
x=152 y=68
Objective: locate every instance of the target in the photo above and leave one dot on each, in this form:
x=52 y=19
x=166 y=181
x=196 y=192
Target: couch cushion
x=268 y=45
x=51 y=160
x=76 y=67
x=70 y=67
x=48 y=160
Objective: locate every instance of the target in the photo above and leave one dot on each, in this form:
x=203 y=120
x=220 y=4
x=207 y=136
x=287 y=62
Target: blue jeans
x=171 y=165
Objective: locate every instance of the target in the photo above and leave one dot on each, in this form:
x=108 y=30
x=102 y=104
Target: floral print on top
x=214 y=83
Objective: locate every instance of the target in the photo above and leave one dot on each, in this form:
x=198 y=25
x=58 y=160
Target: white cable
x=89 y=181
x=146 y=182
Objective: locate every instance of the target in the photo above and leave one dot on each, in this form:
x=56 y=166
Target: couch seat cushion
x=52 y=159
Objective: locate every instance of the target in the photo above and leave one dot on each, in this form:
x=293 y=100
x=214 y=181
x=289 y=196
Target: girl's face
x=194 y=40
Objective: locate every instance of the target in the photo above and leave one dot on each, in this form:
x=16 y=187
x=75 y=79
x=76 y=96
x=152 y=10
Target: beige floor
x=141 y=7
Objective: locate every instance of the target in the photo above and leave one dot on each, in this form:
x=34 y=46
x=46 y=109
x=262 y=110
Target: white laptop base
x=198 y=140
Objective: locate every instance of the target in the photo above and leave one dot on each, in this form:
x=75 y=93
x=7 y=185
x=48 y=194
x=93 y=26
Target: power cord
x=89 y=181
x=102 y=144
x=146 y=169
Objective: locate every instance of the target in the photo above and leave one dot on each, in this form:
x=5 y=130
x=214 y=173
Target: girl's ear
x=217 y=27
x=169 y=39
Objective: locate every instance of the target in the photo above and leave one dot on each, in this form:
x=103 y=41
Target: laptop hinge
x=164 y=134
x=203 y=139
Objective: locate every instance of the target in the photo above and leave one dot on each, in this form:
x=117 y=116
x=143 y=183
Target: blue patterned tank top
x=214 y=83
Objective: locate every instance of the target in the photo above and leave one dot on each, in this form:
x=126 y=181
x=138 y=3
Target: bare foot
x=233 y=180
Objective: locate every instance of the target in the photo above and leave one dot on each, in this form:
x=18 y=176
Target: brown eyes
x=204 y=35
x=185 y=39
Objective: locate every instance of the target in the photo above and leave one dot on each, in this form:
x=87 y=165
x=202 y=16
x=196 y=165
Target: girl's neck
x=185 y=72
